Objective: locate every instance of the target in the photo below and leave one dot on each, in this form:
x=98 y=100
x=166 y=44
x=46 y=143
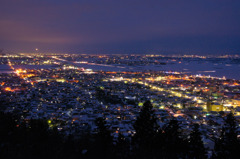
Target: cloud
x=18 y=31
x=77 y=23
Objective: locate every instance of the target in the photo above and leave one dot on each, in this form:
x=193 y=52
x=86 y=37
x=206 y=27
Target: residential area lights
x=70 y=96
x=153 y=87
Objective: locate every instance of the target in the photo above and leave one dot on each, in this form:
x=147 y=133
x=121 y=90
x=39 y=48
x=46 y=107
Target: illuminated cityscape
x=70 y=94
x=129 y=79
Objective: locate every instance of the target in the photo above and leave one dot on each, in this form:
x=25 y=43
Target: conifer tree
x=228 y=145
x=196 y=147
x=102 y=146
x=174 y=145
x=122 y=147
x=146 y=128
x=102 y=130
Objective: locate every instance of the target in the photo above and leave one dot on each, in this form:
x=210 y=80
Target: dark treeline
x=35 y=140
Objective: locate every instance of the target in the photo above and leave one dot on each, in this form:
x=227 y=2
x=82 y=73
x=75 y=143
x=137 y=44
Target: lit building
x=214 y=106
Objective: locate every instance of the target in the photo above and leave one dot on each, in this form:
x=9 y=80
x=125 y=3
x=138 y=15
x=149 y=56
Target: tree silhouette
x=146 y=129
x=102 y=146
x=196 y=147
x=228 y=145
x=27 y=140
x=174 y=145
x=122 y=147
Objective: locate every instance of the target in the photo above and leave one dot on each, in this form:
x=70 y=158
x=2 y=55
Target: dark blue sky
x=123 y=26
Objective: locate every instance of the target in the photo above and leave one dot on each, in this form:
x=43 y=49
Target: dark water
x=5 y=69
x=217 y=70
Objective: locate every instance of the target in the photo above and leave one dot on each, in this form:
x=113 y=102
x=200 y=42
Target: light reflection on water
x=220 y=70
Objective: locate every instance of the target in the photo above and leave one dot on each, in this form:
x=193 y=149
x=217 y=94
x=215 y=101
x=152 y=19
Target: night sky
x=121 y=26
